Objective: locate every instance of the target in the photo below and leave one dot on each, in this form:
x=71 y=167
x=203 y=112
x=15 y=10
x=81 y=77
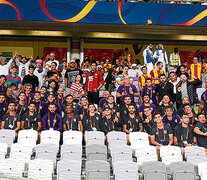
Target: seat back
x=50 y=137
x=94 y=137
x=96 y=152
x=7 y=136
x=155 y=175
x=97 y=170
x=72 y=137
x=182 y=174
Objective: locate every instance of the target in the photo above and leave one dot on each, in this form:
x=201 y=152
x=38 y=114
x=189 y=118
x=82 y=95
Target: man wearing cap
x=148 y=58
x=94 y=82
x=14 y=78
x=4 y=67
x=23 y=65
x=71 y=74
x=160 y=55
x=40 y=72
x=133 y=72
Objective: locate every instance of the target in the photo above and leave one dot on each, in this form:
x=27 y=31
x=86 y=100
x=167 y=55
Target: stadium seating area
x=94 y=160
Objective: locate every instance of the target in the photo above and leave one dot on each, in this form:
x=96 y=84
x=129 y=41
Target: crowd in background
x=163 y=97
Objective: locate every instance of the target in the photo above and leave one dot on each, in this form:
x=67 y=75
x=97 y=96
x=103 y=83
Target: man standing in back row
x=94 y=82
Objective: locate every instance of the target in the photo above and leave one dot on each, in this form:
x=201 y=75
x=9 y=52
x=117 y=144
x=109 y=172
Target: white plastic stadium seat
x=139 y=140
x=20 y=152
x=11 y=168
x=72 y=137
x=170 y=154
x=70 y=170
x=146 y=154
x=116 y=138
x=3 y=150
x=94 y=137
x=71 y=152
x=50 y=137
x=40 y=169
x=7 y=136
x=27 y=137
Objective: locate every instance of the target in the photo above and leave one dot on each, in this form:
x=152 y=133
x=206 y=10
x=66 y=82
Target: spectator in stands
x=127 y=89
x=161 y=134
x=51 y=100
x=14 y=78
x=133 y=71
x=52 y=120
x=94 y=82
x=3 y=84
x=203 y=104
x=150 y=90
x=187 y=89
x=43 y=93
x=142 y=79
x=23 y=65
x=31 y=119
x=11 y=119
x=83 y=110
x=46 y=58
x=40 y=72
x=92 y=122
x=54 y=75
x=9 y=95
x=183 y=133
x=174 y=80
x=155 y=73
x=132 y=122
x=70 y=101
x=199 y=56
x=107 y=65
x=21 y=105
x=120 y=78
x=76 y=89
x=110 y=81
x=196 y=69
x=170 y=117
x=103 y=101
x=60 y=96
x=3 y=105
x=112 y=105
x=174 y=59
x=109 y=123
x=180 y=107
x=201 y=130
x=71 y=74
x=148 y=121
x=129 y=56
x=182 y=70
x=146 y=103
x=28 y=93
x=148 y=58
x=31 y=79
x=40 y=105
x=50 y=61
x=189 y=111
x=165 y=88
x=4 y=67
x=70 y=121
x=163 y=104
x=160 y=55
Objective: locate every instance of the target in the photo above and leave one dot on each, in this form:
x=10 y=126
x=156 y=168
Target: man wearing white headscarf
x=148 y=58
x=161 y=55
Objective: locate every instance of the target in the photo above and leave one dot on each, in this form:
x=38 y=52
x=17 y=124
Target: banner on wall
x=104 y=12
x=60 y=53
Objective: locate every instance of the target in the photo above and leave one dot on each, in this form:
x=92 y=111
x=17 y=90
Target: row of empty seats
x=42 y=160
